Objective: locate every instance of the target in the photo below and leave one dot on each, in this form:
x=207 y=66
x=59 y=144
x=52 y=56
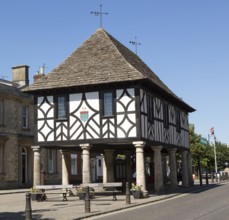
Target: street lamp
x=212 y=133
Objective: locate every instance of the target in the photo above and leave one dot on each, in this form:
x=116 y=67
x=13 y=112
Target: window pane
x=74 y=164
x=25 y=117
x=108 y=104
x=61 y=108
x=50 y=161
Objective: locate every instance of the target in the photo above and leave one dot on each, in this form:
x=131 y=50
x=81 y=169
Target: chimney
x=21 y=75
x=40 y=74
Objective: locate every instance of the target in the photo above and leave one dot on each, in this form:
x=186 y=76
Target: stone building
x=16 y=131
x=105 y=103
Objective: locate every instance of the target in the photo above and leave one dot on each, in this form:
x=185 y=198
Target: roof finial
x=136 y=44
x=99 y=13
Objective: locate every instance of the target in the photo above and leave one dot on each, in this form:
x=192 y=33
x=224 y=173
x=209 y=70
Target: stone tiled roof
x=100 y=59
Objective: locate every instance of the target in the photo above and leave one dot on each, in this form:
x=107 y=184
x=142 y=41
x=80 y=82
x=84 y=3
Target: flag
x=212 y=131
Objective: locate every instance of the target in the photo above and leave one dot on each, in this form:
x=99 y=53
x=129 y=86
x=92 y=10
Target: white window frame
x=74 y=164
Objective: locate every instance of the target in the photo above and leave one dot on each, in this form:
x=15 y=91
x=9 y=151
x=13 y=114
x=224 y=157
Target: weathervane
x=136 y=44
x=99 y=13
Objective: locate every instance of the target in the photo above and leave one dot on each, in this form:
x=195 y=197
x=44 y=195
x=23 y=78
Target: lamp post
x=216 y=169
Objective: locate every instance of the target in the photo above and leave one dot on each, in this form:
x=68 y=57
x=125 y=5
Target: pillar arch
x=158 y=177
x=184 y=168
x=65 y=170
x=173 y=167
x=36 y=166
x=140 y=165
x=86 y=163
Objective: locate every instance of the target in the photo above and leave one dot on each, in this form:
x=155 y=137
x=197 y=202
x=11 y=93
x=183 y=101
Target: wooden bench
x=107 y=188
x=41 y=193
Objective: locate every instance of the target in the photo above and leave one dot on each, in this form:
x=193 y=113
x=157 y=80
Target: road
x=212 y=204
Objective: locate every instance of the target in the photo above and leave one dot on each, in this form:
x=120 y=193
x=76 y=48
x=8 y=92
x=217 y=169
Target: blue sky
x=185 y=42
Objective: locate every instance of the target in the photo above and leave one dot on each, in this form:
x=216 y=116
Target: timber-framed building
x=105 y=104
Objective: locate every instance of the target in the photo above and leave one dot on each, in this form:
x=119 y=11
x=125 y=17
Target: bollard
x=28 y=209
x=87 y=201
x=206 y=178
x=127 y=193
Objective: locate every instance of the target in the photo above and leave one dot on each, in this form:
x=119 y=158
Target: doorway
x=24 y=166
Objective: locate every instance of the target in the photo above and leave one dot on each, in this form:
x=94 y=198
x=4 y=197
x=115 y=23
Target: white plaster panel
x=40 y=138
x=112 y=128
x=74 y=101
x=92 y=133
x=119 y=118
x=120 y=133
x=40 y=114
x=131 y=107
x=133 y=132
x=93 y=100
x=132 y=117
x=51 y=137
x=40 y=123
x=76 y=135
x=74 y=128
x=96 y=128
x=119 y=107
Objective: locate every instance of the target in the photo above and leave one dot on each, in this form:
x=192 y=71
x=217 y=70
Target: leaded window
x=108 y=104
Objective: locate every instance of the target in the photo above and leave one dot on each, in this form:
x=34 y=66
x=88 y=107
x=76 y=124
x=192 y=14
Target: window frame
x=65 y=107
x=112 y=103
x=26 y=117
x=74 y=167
x=51 y=162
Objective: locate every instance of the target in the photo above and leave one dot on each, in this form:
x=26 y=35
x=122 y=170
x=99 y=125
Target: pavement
x=13 y=203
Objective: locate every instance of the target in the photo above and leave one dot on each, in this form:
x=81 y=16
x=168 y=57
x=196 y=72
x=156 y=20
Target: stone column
x=104 y=169
x=158 y=177
x=140 y=166
x=189 y=161
x=128 y=166
x=184 y=168
x=109 y=162
x=65 y=176
x=36 y=166
x=86 y=163
x=173 y=167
